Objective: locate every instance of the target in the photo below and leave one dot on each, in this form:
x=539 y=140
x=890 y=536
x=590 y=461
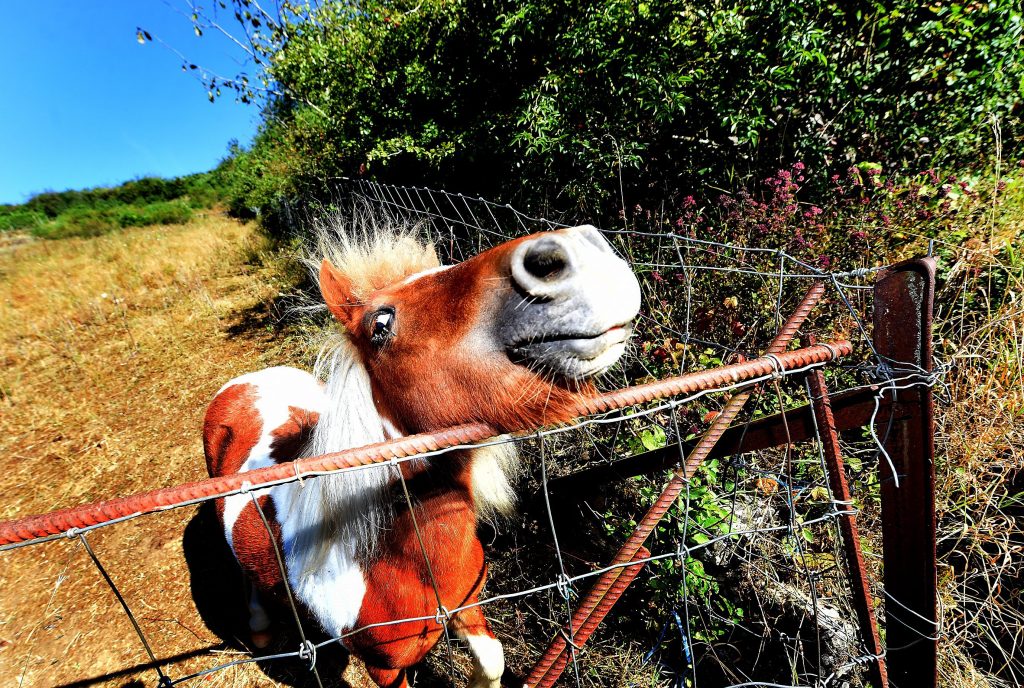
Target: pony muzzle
x=572 y=303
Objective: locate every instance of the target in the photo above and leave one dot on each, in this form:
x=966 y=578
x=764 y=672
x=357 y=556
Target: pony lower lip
x=574 y=337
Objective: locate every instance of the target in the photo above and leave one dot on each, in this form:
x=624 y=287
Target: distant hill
x=135 y=203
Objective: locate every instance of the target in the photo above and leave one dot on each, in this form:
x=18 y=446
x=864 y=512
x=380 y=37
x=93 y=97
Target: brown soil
x=111 y=348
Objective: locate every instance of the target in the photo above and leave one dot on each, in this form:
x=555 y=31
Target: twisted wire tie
x=564 y=585
x=832 y=349
x=867 y=659
x=777 y=368
x=307 y=652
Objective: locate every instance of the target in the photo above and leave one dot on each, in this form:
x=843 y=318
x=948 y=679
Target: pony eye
x=382 y=326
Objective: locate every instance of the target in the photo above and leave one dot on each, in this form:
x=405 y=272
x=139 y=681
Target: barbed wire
x=767 y=540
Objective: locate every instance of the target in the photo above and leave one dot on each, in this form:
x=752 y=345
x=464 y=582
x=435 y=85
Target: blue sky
x=85 y=105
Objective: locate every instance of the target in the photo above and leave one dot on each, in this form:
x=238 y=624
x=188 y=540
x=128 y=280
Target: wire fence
x=744 y=581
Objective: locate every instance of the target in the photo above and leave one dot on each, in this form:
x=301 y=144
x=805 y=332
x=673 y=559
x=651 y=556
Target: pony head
x=510 y=337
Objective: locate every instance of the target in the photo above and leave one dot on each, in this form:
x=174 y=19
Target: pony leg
x=388 y=678
x=259 y=620
x=488 y=655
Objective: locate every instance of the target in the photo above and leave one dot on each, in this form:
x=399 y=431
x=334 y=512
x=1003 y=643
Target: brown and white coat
x=510 y=337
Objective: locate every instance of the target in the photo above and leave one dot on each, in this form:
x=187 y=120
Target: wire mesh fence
x=744 y=582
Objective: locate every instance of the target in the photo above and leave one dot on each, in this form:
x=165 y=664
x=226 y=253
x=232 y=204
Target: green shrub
x=16 y=217
x=162 y=213
x=78 y=222
x=87 y=222
x=559 y=102
x=136 y=203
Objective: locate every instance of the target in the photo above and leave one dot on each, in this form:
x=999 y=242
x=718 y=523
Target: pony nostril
x=545 y=260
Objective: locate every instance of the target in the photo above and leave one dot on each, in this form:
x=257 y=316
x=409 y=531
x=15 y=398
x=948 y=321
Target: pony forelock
x=373 y=249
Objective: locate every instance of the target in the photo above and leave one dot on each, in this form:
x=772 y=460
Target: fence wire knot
x=72 y=533
x=883 y=371
x=443 y=616
x=832 y=349
x=777 y=368
x=564 y=585
x=307 y=652
x=245 y=487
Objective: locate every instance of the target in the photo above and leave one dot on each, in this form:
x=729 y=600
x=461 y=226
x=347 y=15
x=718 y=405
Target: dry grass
x=111 y=348
x=980 y=461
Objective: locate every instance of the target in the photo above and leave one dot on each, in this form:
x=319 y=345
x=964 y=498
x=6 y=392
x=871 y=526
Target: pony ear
x=336 y=288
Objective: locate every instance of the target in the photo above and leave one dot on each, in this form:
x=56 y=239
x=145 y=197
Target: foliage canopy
x=559 y=101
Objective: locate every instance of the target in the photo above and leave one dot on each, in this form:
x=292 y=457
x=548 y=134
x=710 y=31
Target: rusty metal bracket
x=905 y=424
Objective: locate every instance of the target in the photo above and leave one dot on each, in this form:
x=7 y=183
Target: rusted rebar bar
x=583 y=625
x=545 y=668
x=847 y=525
x=89 y=515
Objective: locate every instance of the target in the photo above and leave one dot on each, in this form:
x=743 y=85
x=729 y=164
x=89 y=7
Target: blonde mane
x=351 y=508
x=372 y=250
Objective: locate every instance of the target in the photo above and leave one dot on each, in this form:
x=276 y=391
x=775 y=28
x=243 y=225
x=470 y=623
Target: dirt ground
x=111 y=348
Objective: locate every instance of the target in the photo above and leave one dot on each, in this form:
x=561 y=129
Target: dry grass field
x=112 y=346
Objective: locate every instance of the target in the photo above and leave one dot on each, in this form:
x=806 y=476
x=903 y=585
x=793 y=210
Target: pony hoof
x=261 y=639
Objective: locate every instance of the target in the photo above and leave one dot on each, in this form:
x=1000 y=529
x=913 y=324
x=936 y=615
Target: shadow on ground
x=219 y=595
x=265 y=320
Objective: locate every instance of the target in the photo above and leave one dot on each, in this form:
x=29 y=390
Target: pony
x=512 y=337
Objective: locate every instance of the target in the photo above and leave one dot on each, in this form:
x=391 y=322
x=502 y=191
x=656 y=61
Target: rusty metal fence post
x=903 y=297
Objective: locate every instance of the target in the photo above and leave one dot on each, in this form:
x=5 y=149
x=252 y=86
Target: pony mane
x=352 y=509
x=374 y=250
